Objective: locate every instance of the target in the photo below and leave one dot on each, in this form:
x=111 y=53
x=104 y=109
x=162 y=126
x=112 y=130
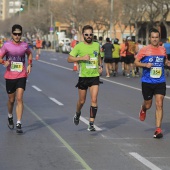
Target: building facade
x=9 y=8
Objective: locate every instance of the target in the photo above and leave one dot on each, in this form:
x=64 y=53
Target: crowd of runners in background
x=113 y=53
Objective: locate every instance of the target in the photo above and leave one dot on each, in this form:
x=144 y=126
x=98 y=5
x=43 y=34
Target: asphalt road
x=52 y=142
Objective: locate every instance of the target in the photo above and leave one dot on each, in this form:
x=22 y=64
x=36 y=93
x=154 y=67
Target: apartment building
x=9 y=8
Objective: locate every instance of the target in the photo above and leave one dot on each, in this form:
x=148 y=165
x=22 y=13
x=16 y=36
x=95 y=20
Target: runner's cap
x=16 y=27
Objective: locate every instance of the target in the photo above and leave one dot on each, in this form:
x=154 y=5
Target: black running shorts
x=108 y=60
x=13 y=84
x=85 y=82
x=129 y=59
x=148 y=90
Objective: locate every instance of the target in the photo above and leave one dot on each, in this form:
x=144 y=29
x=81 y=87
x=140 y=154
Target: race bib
x=17 y=66
x=92 y=63
x=156 y=72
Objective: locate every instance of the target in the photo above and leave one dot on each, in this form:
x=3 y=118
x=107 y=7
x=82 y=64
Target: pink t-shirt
x=15 y=53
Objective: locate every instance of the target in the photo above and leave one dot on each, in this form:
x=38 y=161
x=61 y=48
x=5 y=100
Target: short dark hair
x=107 y=39
x=100 y=38
x=16 y=26
x=139 y=41
x=95 y=37
x=153 y=30
x=116 y=40
x=87 y=27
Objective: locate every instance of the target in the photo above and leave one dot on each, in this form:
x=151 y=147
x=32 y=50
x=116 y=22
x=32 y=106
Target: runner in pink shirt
x=16 y=73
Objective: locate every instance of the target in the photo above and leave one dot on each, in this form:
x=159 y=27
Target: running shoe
x=114 y=74
x=10 y=123
x=128 y=75
x=91 y=128
x=76 y=118
x=133 y=73
x=18 y=128
x=158 y=133
x=142 y=114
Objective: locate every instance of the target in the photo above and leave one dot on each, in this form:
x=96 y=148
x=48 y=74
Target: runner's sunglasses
x=19 y=34
x=89 y=35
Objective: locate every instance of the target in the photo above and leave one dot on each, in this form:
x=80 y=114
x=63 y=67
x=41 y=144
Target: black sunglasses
x=89 y=35
x=19 y=34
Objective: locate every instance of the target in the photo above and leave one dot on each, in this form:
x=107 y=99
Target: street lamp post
x=38 y=5
x=111 y=18
x=51 y=28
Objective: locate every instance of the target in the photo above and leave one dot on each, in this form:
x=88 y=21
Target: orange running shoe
x=142 y=114
x=158 y=133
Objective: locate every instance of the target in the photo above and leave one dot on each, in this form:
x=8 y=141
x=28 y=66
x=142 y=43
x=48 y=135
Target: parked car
x=63 y=45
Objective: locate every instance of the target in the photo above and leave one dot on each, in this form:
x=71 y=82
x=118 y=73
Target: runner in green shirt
x=87 y=54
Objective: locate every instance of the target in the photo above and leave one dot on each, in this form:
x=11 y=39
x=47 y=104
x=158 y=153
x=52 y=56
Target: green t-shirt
x=87 y=68
x=116 y=52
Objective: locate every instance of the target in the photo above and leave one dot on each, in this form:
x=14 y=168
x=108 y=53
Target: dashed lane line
x=36 y=88
x=144 y=161
x=56 y=101
x=114 y=82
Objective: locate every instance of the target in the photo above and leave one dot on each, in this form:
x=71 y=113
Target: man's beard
x=88 y=40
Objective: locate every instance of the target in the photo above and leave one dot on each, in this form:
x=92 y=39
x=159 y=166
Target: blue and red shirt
x=156 y=56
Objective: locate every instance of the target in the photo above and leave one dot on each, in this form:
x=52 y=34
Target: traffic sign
x=57 y=24
x=51 y=29
x=73 y=31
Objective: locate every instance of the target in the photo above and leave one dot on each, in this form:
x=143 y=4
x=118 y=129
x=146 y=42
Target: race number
x=92 y=63
x=156 y=72
x=16 y=66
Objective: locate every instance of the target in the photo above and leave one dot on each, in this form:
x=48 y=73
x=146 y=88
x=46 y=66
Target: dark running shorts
x=116 y=60
x=122 y=59
x=129 y=59
x=108 y=60
x=85 y=82
x=148 y=90
x=13 y=84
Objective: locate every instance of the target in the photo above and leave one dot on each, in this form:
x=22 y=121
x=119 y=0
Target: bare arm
x=139 y=64
x=29 y=63
x=72 y=59
x=167 y=62
x=4 y=62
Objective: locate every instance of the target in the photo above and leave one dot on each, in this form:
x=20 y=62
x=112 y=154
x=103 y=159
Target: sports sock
x=18 y=121
x=91 y=123
x=10 y=115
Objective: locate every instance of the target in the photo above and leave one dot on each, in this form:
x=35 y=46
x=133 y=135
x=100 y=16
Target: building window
x=17 y=3
x=11 y=4
x=11 y=11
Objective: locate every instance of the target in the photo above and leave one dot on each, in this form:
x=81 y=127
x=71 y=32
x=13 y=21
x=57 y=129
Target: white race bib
x=156 y=72
x=16 y=66
x=92 y=63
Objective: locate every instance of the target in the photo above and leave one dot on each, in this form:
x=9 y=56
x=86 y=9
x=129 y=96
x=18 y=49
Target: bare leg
x=159 y=109
x=19 y=105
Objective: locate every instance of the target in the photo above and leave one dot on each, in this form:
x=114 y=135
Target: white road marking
x=114 y=82
x=36 y=88
x=144 y=161
x=53 y=59
x=131 y=87
x=55 y=65
x=87 y=122
x=56 y=101
x=167 y=86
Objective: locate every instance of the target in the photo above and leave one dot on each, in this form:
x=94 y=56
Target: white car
x=63 y=45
